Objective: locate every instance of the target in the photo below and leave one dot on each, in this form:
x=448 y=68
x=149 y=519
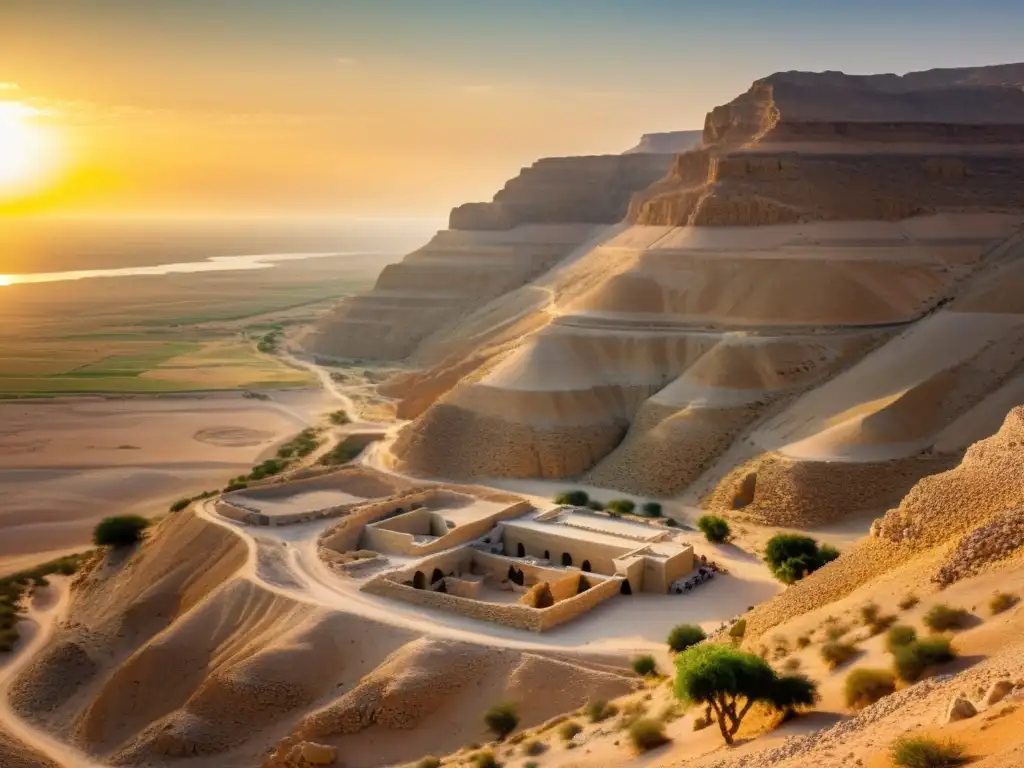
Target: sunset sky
x=407 y=107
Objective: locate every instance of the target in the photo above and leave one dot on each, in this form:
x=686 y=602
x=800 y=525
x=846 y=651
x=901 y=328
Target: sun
x=25 y=148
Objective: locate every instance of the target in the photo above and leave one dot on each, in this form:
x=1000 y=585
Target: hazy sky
x=412 y=106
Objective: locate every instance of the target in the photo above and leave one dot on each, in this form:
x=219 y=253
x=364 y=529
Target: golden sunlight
x=26 y=149
x=5 y=280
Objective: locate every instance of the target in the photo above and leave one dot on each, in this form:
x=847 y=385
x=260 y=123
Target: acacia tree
x=730 y=682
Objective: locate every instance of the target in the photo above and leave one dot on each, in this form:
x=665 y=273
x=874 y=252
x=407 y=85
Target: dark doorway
x=566 y=559
x=419 y=581
x=585 y=566
x=436 y=576
x=625 y=589
x=520 y=550
x=511 y=576
x=547 y=555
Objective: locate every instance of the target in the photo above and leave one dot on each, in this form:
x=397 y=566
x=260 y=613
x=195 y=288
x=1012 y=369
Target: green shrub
x=920 y=752
x=738 y=630
x=573 y=498
x=863 y=687
x=429 y=762
x=120 y=531
x=909 y=601
x=942 y=617
x=620 y=506
x=180 y=504
x=715 y=529
x=899 y=636
x=340 y=418
x=1002 y=601
x=595 y=505
x=651 y=509
x=502 y=719
x=669 y=522
x=567 y=731
x=835 y=653
x=835 y=630
x=913 y=660
x=645 y=665
x=682 y=636
x=647 y=734
x=600 y=710
x=485 y=759
x=791 y=557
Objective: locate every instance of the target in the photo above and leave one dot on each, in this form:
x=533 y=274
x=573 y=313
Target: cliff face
x=594 y=190
x=808 y=313
x=538 y=218
x=668 y=142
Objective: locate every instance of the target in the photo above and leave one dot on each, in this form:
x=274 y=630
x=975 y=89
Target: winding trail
x=43 y=620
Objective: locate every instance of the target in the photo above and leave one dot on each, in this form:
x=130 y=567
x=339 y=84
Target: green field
x=178 y=333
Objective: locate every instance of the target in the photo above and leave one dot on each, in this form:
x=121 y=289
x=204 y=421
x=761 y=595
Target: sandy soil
x=68 y=463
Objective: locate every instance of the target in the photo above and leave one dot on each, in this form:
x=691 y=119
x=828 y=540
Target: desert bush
x=882 y=623
x=594 y=504
x=669 y=522
x=502 y=719
x=738 y=630
x=921 y=752
x=913 y=660
x=574 y=498
x=730 y=682
x=429 y=762
x=864 y=687
x=1002 y=601
x=791 y=557
x=485 y=759
x=340 y=418
x=803 y=641
x=645 y=665
x=647 y=734
x=568 y=730
x=180 y=504
x=651 y=509
x=534 y=748
x=908 y=602
x=792 y=664
x=632 y=711
x=714 y=528
x=682 y=636
x=702 y=721
x=620 y=506
x=120 y=531
x=539 y=596
x=941 y=617
x=869 y=613
x=899 y=636
x=600 y=710
x=835 y=653
x=834 y=630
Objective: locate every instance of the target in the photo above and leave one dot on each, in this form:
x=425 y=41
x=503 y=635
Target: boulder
x=996 y=693
x=960 y=708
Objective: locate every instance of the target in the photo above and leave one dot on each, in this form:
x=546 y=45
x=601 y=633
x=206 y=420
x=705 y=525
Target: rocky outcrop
x=667 y=143
x=594 y=189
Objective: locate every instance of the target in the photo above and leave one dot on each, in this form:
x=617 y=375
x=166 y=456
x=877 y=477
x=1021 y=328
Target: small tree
x=502 y=719
x=620 y=506
x=652 y=509
x=715 y=529
x=121 y=531
x=645 y=665
x=731 y=681
x=682 y=636
x=573 y=498
x=791 y=557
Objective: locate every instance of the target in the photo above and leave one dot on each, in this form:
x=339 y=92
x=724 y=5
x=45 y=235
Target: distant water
x=39 y=250
x=212 y=264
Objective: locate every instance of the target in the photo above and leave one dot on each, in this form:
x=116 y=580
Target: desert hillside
x=800 y=319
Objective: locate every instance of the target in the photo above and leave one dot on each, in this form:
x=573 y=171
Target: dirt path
x=43 y=616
